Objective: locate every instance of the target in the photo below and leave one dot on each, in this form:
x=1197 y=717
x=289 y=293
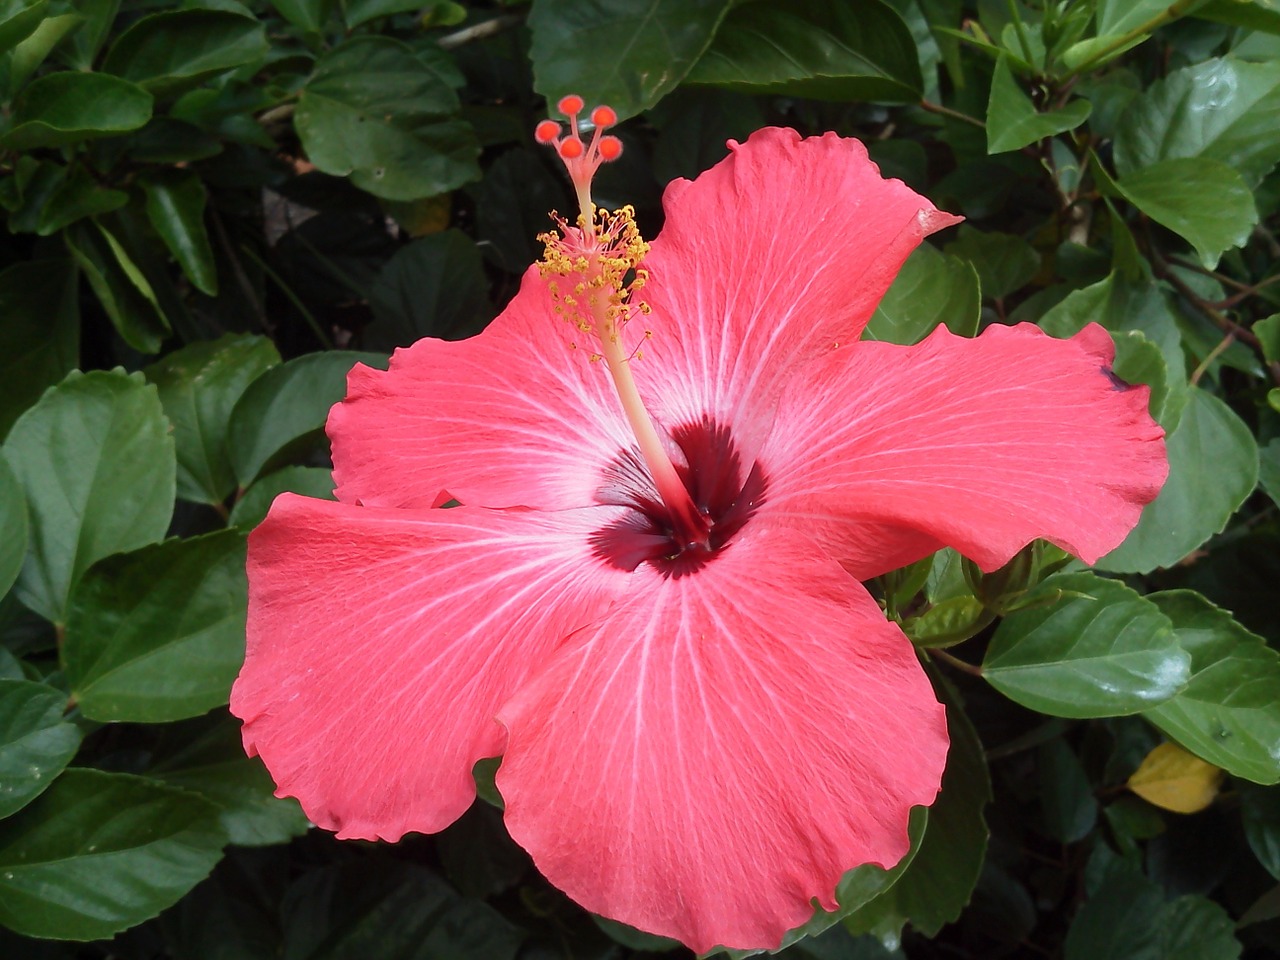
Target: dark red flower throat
x=726 y=495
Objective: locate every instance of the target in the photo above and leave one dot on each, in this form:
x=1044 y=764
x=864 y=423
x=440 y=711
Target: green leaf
x=1268 y=333
x=359 y=12
x=40 y=335
x=434 y=287
x=947 y=622
x=939 y=881
x=175 y=206
x=172 y=51
x=100 y=852
x=67 y=107
x=1012 y=119
x=1228 y=713
x=1203 y=200
x=823 y=50
x=1067 y=803
x=1224 y=109
x=1263 y=15
x=1115 y=17
x=1213 y=467
x=18 y=20
x=199 y=387
x=932 y=288
x=158 y=634
x=309 y=16
x=13 y=526
x=99 y=16
x=1260 y=810
x=210 y=760
x=1269 y=469
x=606 y=50
x=1126 y=308
x=104 y=437
x=1128 y=919
x=76 y=197
x=1004 y=262
x=1099 y=651
x=121 y=288
x=35 y=742
x=28 y=55
x=389 y=909
x=288 y=404
x=377 y=113
x=251 y=509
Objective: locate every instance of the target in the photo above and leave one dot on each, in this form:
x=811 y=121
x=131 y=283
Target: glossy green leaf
x=1223 y=109
x=251 y=509
x=210 y=760
x=83 y=46
x=1213 y=467
x=158 y=634
x=1228 y=713
x=1267 y=331
x=377 y=113
x=175 y=207
x=199 y=386
x=67 y=107
x=932 y=288
x=106 y=440
x=308 y=16
x=1128 y=919
x=1012 y=119
x=18 y=19
x=78 y=196
x=122 y=289
x=938 y=883
x=948 y=622
x=1203 y=200
x=35 y=741
x=1100 y=650
x=434 y=287
x=1004 y=262
x=13 y=526
x=287 y=404
x=100 y=852
x=605 y=50
x=40 y=335
x=171 y=51
x=824 y=49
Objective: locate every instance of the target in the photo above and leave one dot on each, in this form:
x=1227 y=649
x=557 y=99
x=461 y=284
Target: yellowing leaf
x=1176 y=780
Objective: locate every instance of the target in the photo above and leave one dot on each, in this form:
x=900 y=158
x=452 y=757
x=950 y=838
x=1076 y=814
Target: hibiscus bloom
x=648 y=602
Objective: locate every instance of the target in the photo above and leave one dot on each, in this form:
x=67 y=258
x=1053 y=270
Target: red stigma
x=610 y=148
x=548 y=131
x=581 y=159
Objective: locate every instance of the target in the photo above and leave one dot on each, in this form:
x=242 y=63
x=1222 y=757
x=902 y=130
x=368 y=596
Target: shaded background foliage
x=215 y=209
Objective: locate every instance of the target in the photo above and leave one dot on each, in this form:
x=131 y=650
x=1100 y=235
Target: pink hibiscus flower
x=649 y=601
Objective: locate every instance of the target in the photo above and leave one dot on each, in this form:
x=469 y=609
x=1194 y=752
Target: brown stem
x=962 y=665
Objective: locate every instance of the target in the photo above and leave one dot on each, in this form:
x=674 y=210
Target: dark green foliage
x=215 y=209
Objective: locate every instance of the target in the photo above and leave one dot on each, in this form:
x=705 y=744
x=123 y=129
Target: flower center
x=593 y=270
x=723 y=492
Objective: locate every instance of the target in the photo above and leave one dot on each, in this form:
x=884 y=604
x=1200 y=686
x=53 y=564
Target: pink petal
x=512 y=417
x=767 y=260
x=382 y=642
x=717 y=752
x=982 y=444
